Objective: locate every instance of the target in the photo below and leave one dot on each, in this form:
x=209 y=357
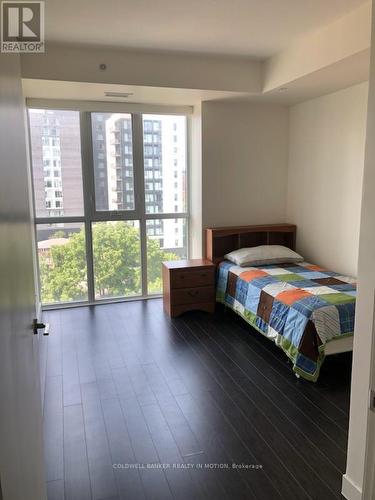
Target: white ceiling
x=343 y=74
x=82 y=91
x=252 y=28
x=340 y=75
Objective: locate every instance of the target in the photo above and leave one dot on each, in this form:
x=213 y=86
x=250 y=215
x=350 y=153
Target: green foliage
x=116 y=259
x=117 y=264
x=58 y=234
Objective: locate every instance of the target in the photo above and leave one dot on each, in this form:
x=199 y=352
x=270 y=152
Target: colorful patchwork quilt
x=300 y=306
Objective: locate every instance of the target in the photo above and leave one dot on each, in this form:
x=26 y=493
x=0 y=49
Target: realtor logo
x=22 y=27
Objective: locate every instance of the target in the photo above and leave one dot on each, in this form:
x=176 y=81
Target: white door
x=369 y=482
x=21 y=445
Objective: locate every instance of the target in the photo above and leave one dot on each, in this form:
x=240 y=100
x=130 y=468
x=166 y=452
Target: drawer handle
x=193 y=293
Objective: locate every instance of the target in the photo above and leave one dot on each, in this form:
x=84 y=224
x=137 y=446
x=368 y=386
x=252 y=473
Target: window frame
x=91 y=214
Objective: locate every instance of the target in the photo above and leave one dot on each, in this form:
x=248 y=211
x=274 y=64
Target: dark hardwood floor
x=125 y=385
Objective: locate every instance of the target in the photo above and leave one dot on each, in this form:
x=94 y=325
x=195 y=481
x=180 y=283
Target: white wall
x=244 y=163
x=78 y=63
x=195 y=183
x=358 y=483
x=326 y=158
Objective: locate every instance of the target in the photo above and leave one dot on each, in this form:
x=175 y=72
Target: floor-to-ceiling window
x=111 y=201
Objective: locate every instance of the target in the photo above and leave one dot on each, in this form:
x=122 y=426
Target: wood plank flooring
x=140 y=406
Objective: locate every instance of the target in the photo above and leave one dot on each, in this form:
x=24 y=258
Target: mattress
x=301 y=307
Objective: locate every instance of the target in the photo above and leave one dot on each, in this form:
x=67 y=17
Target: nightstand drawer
x=188 y=285
x=193 y=295
x=183 y=279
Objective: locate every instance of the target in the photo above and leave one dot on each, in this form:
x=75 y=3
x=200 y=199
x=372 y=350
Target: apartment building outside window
x=108 y=241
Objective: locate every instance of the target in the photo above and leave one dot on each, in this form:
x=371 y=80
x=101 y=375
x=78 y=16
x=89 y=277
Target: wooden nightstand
x=188 y=285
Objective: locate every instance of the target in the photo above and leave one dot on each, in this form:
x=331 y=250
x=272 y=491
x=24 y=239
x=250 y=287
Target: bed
x=306 y=310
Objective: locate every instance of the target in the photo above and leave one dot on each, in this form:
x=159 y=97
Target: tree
x=63 y=271
x=58 y=234
x=117 y=264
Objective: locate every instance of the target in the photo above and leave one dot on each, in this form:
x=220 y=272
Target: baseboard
x=350 y=490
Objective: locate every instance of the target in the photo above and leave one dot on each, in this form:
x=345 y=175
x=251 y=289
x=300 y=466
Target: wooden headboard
x=222 y=240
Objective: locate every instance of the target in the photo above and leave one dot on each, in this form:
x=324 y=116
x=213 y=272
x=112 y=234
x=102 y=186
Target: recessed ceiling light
x=118 y=94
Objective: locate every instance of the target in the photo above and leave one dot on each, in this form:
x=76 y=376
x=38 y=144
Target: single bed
x=306 y=310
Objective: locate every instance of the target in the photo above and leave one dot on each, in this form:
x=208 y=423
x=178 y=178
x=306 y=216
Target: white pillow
x=263 y=255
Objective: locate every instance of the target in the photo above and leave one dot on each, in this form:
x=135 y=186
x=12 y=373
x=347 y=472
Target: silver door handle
x=39 y=326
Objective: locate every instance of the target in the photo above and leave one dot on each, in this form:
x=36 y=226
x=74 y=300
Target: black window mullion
x=139 y=188
x=88 y=197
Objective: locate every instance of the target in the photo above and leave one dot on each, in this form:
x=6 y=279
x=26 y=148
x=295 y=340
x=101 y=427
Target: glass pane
x=56 y=162
x=166 y=240
x=62 y=262
x=112 y=144
x=164 y=151
x=117 y=259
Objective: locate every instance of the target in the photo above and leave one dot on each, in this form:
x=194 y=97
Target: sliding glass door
x=111 y=202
